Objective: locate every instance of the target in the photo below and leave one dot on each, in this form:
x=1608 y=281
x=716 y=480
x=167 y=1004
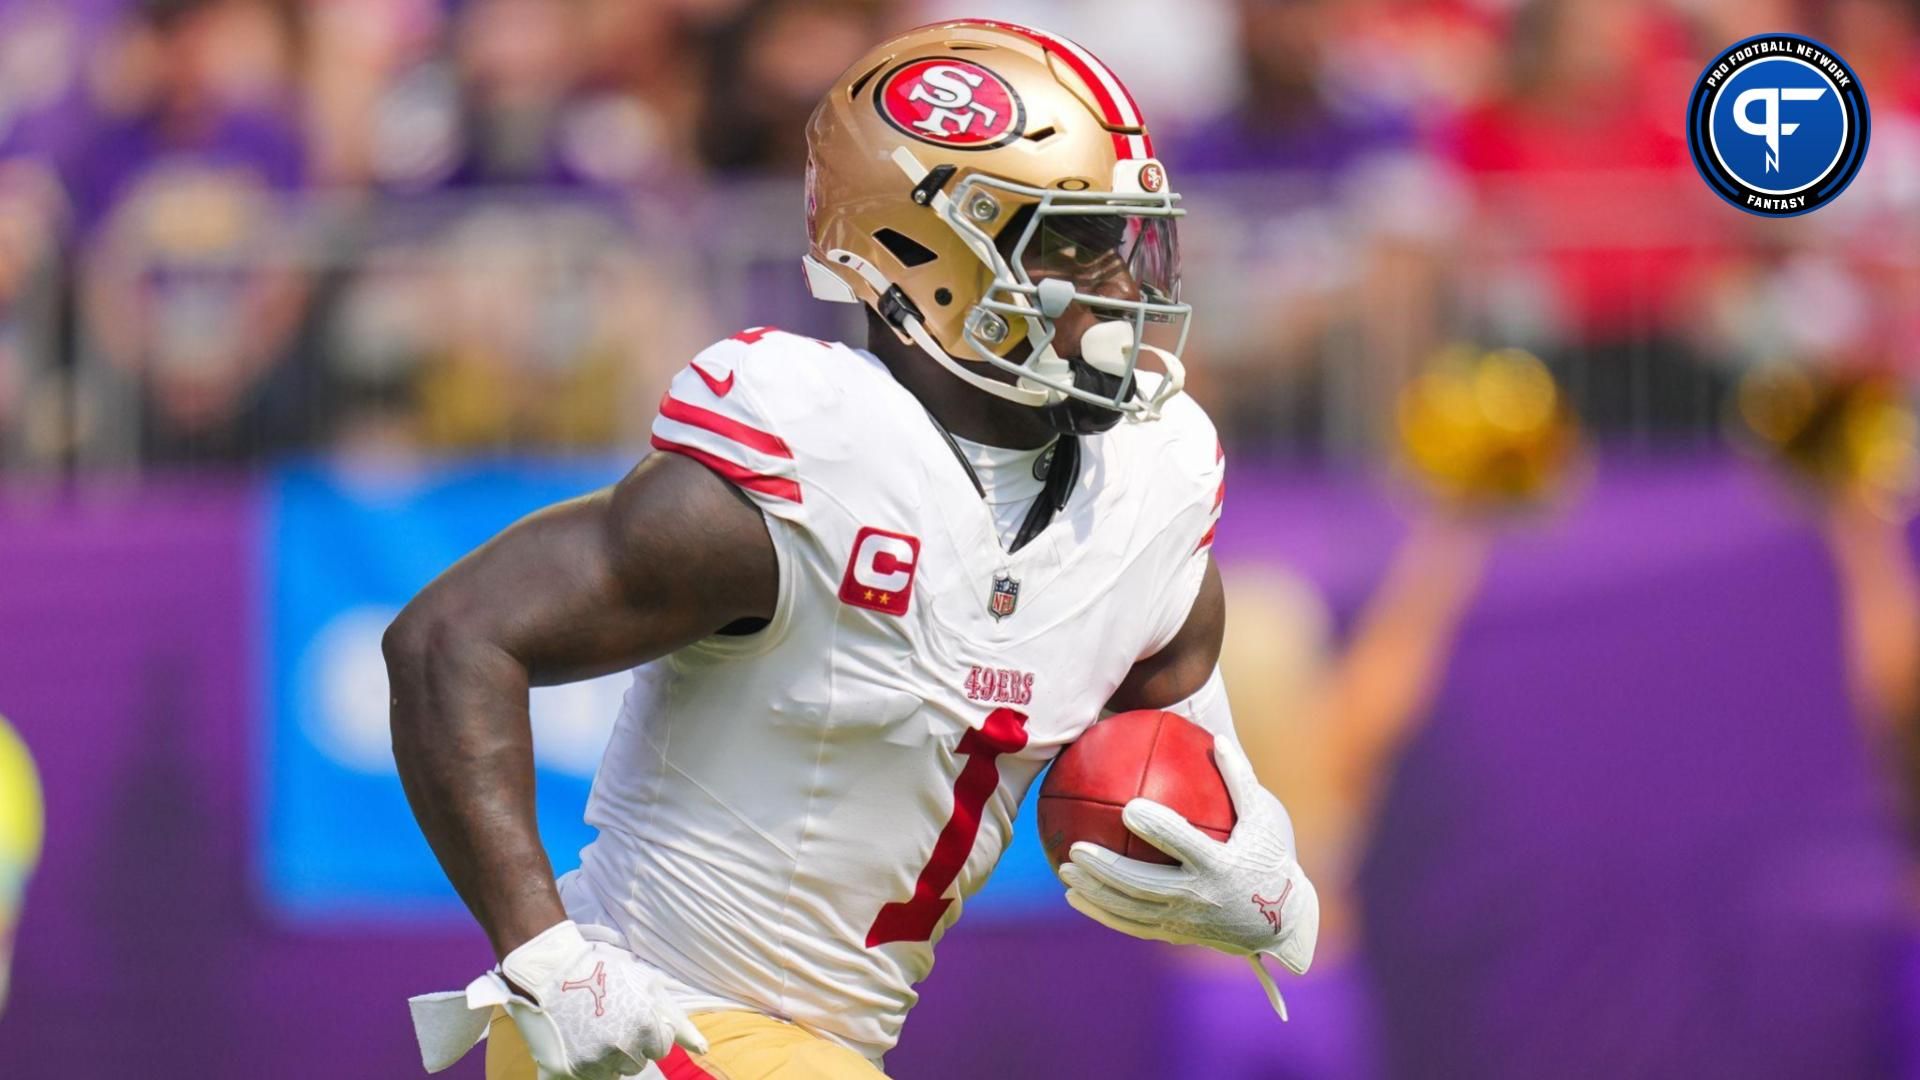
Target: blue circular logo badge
x=1778 y=125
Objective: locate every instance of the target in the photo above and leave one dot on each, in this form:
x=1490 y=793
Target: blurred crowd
x=231 y=229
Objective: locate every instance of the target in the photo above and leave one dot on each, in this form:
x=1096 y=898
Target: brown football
x=1145 y=754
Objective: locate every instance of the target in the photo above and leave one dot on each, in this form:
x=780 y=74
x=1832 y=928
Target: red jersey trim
x=724 y=426
x=776 y=486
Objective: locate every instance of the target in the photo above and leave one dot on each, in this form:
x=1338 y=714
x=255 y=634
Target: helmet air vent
x=859 y=84
x=909 y=251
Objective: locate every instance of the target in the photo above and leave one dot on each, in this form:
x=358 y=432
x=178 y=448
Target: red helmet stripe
x=1117 y=107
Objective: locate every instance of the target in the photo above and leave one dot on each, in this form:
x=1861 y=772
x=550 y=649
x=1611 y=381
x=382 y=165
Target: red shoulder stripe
x=753 y=334
x=724 y=426
x=1207 y=539
x=777 y=486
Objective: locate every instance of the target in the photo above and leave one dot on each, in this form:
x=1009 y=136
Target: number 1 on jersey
x=1005 y=732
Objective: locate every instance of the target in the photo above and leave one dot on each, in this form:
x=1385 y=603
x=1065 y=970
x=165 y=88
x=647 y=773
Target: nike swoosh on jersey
x=720 y=387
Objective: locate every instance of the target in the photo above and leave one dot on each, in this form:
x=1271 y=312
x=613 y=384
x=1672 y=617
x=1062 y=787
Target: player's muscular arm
x=669 y=555
x=1182 y=667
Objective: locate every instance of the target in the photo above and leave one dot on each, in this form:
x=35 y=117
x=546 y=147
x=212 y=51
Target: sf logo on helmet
x=950 y=91
x=952 y=103
x=1778 y=125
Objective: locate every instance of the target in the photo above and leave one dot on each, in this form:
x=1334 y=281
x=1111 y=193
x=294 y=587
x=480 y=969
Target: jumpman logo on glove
x=596 y=983
x=1271 y=908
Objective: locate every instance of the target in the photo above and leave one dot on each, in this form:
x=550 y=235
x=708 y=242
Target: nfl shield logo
x=1006 y=593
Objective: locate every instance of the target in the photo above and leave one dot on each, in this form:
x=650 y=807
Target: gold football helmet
x=972 y=180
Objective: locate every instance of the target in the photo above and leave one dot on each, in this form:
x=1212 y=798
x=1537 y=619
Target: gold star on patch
x=869 y=594
x=885 y=598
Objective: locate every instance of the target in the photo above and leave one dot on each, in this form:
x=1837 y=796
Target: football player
x=867 y=594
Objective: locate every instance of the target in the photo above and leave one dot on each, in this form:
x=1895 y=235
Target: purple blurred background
x=299 y=299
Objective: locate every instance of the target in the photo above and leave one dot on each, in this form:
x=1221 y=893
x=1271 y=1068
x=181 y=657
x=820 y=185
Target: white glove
x=594 y=1012
x=1247 y=896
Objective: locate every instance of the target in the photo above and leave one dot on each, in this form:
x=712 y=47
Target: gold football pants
x=741 y=1046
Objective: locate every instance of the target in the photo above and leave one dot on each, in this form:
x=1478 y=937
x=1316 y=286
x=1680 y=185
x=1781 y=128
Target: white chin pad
x=1051 y=365
x=1105 y=346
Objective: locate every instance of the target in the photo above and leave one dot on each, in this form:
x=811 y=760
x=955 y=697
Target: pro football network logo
x=952 y=103
x=1778 y=125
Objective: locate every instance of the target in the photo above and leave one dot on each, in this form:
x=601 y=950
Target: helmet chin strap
x=1019 y=395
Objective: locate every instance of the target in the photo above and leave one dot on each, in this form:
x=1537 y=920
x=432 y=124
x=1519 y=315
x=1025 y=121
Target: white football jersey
x=790 y=819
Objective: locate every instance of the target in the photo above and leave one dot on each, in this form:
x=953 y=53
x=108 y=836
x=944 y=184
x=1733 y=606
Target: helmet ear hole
x=909 y=251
